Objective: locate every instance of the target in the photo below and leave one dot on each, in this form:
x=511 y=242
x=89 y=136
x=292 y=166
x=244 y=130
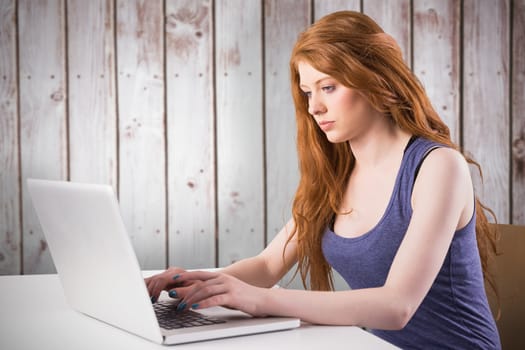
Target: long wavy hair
x=354 y=50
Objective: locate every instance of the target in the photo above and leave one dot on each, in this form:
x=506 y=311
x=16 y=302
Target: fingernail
x=176 y=276
x=195 y=306
x=181 y=306
x=153 y=299
x=172 y=294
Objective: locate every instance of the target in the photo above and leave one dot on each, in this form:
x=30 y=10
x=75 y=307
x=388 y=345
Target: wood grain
x=43 y=133
x=324 y=7
x=240 y=150
x=10 y=230
x=395 y=19
x=284 y=20
x=486 y=99
x=190 y=131
x=437 y=62
x=142 y=183
x=518 y=113
x=92 y=94
x=201 y=133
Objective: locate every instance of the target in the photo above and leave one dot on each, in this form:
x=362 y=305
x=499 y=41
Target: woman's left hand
x=209 y=289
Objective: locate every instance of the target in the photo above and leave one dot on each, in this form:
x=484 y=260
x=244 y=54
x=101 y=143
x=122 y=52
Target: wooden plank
x=324 y=7
x=486 y=99
x=43 y=141
x=284 y=20
x=518 y=113
x=92 y=100
x=10 y=230
x=436 y=36
x=239 y=129
x=394 y=17
x=190 y=128
x=142 y=183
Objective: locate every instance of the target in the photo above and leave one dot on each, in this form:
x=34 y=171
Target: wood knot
x=518 y=149
x=171 y=21
x=57 y=96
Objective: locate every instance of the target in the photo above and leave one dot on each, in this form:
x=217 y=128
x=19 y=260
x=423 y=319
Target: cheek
x=351 y=102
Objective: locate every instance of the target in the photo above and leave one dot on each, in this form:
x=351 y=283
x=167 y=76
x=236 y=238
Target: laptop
x=101 y=276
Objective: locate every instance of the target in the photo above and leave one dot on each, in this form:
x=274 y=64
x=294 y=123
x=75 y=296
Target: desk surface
x=34 y=315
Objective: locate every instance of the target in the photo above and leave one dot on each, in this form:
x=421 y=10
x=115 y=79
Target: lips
x=326 y=125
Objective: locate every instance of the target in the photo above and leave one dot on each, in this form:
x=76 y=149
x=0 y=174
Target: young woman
x=385 y=198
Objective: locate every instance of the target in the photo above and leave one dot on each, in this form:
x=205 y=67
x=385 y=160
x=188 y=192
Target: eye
x=307 y=94
x=328 y=88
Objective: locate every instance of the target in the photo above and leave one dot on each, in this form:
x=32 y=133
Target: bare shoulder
x=444 y=170
x=443 y=161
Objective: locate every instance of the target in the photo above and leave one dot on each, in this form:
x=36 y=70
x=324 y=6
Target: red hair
x=354 y=50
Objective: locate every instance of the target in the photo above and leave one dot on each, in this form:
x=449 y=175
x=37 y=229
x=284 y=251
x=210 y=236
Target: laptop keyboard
x=170 y=318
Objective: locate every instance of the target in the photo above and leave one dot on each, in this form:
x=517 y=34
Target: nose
x=316 y=105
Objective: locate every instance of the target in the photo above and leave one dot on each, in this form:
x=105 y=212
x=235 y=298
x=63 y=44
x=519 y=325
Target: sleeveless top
x=455 y=313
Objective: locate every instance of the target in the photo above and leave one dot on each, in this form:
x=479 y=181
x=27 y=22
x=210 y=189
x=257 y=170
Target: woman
x=385 y=198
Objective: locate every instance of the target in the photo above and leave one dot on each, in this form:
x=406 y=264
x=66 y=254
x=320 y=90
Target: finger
x=159 y=283
x=152 y=281
x=201 y=291
x=179 y=292
x=172 y=293
x=215 y=300
x=155 y=290
x=195 y=275
x=166 y=280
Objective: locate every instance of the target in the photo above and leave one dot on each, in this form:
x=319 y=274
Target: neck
x=383 y=143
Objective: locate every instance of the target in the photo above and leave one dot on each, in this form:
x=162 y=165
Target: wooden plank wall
x=191 y=177
x=184 y=108
x=486 y=97
x=42 y=88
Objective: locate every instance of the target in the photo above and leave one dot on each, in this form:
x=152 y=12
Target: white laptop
x=101 y=276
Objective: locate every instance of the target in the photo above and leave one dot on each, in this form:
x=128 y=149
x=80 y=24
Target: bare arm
x=267 y=268
x=442 y=201
x=263 y=270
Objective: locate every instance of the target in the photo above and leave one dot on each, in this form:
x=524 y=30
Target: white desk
x=35 y=315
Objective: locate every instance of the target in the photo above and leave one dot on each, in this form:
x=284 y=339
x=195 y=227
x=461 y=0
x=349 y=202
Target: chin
x=336 y=138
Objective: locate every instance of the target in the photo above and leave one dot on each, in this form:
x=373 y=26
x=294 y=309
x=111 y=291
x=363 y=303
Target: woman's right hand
x=163 y=281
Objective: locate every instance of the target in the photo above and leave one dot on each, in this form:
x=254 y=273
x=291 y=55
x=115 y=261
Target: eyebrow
x=302 y=85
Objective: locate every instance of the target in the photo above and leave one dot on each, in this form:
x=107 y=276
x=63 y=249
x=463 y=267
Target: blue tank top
x=455 y=313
